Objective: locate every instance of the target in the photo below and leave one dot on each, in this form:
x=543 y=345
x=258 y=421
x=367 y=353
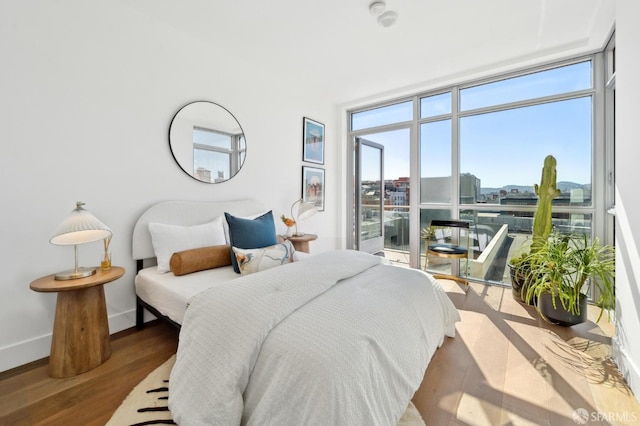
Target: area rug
x=147 y=403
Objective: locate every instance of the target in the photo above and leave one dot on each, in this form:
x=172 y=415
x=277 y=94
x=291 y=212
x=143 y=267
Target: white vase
x=289 y=231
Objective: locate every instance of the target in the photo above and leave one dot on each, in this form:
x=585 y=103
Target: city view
x=495 y=235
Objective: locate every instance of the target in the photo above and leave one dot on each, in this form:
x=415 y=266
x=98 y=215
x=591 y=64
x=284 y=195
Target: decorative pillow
x=251 y=233
x=200 y=259
x=169 y=239
x=225 y=224
x=256 y=260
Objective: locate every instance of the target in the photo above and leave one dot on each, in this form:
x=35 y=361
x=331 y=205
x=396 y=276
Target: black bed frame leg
x=139 y=307
x=139 y=316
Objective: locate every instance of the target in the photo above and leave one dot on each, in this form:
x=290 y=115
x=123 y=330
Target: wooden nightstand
x=301 y=242
x=81 y=338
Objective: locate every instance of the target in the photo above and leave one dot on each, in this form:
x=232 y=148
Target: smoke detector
x=377 y=7
x=388 y=18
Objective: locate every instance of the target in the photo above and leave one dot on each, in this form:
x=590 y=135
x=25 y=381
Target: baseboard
x=24 y=352
x=122 y=321
x=626 y=366
x=31 y=350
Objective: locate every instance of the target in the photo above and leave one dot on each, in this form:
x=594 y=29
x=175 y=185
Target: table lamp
x=305 y=210
x=79 y=227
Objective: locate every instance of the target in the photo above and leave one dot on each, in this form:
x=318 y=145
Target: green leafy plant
x=562 y=265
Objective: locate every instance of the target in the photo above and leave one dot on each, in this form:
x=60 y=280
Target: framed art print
x=313 y=141
x=313 y=186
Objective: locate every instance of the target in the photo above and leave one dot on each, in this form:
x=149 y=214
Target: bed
x=339 y=337
x=166 y=295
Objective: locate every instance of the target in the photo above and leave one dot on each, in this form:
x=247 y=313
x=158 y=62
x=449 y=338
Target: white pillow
x=256 y=260
x=169 y=239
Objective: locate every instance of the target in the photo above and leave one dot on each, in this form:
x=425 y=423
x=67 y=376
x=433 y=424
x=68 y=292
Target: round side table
x=81 y=338
x=301 y=242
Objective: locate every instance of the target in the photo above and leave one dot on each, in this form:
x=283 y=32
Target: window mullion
x=414 y=182
x=455 y=152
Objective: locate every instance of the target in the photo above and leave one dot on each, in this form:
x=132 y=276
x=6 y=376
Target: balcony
x=495 y=238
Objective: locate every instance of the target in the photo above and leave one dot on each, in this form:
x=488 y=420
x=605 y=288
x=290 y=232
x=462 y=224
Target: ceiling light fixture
x=376 y=8
x=388 y=18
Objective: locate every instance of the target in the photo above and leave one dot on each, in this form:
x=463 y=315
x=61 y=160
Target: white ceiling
x=337 y=47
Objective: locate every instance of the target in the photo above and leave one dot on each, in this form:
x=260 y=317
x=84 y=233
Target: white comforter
x=339 y=339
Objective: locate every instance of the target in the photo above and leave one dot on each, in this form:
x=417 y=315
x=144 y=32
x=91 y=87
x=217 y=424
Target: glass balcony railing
x=495 y=237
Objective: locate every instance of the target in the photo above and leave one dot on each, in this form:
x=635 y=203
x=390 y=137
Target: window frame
x=599 y=166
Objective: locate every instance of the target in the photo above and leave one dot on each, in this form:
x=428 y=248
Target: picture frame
x=312 y=141
x=313 y=186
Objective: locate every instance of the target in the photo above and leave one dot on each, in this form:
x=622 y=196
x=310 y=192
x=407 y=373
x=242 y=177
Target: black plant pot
x=559 y=315
x=517 y=283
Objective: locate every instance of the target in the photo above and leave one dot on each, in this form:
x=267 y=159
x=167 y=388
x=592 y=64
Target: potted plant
x=518 y=271
x=558 y=274
x=542 y=226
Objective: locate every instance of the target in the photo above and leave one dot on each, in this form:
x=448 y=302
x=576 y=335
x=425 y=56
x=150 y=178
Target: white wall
x=626 y=344
x=87 y=93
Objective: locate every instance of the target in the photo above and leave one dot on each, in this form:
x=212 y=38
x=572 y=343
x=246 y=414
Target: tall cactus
x=546 y=192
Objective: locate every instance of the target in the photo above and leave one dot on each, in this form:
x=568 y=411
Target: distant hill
x=508 y=188
x=568 y=186
x=562 y=186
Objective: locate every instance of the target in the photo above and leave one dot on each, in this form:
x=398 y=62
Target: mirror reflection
x=207 y=142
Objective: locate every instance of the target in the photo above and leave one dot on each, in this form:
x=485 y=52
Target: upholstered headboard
x=184 y=213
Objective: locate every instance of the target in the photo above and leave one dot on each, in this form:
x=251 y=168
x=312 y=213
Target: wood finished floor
x=28 y=396
x=504 y=367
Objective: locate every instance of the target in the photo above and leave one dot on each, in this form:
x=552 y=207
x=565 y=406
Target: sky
x=500 y=148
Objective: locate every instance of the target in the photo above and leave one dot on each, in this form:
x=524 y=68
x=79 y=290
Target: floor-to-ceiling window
x=475 y=151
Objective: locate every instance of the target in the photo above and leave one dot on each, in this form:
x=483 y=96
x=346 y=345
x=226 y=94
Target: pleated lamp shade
x=79 y=227
x=305 y=211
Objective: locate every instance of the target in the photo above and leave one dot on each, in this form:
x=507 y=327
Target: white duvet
x=339 y=339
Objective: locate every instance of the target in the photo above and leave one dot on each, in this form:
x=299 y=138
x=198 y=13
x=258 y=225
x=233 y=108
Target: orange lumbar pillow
x=200 y=259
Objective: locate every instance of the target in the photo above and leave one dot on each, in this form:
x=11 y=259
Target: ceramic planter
x=559 y=315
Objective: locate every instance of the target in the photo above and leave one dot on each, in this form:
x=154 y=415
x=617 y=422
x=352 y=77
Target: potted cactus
x=542 y=226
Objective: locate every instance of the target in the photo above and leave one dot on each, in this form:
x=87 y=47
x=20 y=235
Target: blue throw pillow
x=251 y=233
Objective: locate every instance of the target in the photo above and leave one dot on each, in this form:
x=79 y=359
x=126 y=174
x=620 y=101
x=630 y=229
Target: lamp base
x=73 y=274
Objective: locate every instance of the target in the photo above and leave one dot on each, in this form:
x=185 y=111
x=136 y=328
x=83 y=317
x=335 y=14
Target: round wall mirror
x=207 y=142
